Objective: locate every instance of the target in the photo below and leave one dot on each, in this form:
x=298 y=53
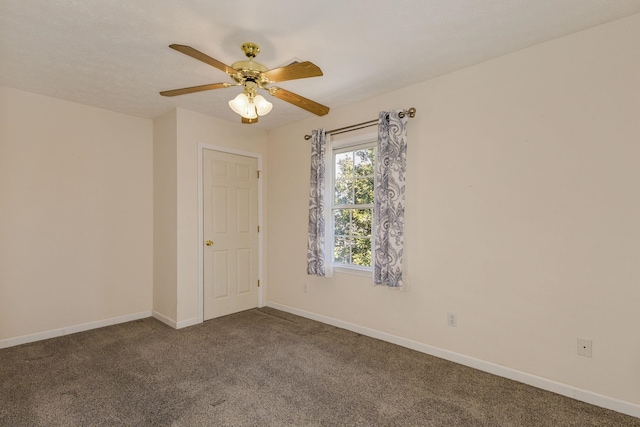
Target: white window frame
x=340 y=146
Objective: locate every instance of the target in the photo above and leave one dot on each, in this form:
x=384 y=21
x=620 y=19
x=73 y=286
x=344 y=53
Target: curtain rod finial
x=307 y=137
x=411 y=112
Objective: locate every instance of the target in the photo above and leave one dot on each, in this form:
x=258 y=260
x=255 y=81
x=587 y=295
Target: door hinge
x=258 y=173
x=258 y=229
x=258 y=282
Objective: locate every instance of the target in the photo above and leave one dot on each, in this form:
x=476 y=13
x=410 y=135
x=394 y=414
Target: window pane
x=344 y=165
x=361 y=251
x=342 y=250
x=341 y=221
x=344 y=191
x=362 y=219
x=363 y=190
x=364 y=162
x=354 y=186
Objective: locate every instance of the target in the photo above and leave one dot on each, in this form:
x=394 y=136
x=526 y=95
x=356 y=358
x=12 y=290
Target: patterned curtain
x=390 y=171
x=316 y=243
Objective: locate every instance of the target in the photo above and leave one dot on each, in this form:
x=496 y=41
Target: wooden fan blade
x=249 y=121
x=193 y=89
x=301 y=70
x=188 y=50
x=299 y=101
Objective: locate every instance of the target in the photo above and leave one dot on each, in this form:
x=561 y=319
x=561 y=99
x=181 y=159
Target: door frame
x=201 y=147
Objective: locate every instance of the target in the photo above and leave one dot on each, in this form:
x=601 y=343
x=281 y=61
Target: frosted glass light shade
x=262 y=105
x=241 y=105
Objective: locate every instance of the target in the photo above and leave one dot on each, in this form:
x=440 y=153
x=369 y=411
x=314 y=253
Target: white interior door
x=230 y=185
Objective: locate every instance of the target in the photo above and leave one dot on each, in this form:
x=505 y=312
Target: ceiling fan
x=253 y=76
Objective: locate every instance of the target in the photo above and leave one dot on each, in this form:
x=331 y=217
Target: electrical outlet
x=304 y=288
x=452 y=319
x=585 y=347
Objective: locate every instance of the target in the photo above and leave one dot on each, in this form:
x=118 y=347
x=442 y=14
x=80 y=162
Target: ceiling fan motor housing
x=248 y=70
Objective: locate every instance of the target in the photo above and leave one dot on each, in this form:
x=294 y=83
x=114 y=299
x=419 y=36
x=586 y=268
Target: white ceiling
x=114 y=54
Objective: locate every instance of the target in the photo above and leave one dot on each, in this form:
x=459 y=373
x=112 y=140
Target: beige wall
x=75 y=214
x=165 y=198
x=99 y=211
x=521 y=213
x=190 y=130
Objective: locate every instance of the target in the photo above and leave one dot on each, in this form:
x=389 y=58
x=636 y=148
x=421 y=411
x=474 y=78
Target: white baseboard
x=482 y=365
x=175 y=325
x=38 y=336
x=164 y=319
x=186 y=323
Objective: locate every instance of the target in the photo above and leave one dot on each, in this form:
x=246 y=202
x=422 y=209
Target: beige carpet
x=262 y=368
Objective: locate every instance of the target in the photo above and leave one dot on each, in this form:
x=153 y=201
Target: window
x=352 y=205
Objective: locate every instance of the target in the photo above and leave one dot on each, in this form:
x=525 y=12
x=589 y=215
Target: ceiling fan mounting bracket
x=250 y=49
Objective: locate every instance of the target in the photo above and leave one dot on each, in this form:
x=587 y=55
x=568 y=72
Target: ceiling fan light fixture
x=263 y=107
x=242 y=105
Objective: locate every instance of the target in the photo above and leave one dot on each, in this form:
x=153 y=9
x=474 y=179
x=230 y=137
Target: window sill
x=364 y=272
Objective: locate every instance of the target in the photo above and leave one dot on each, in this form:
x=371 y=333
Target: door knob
x=209 y=243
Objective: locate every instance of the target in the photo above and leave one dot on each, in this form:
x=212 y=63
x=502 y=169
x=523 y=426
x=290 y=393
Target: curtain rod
x=411 y=112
